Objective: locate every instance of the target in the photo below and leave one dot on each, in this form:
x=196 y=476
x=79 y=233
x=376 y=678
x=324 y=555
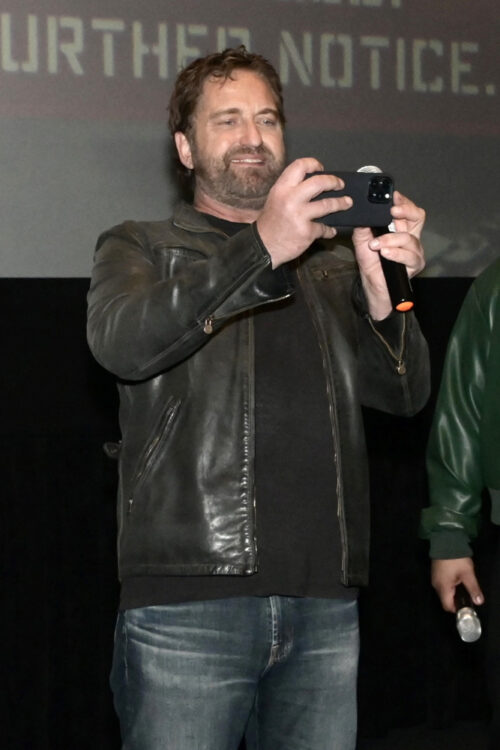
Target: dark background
x=59 y=588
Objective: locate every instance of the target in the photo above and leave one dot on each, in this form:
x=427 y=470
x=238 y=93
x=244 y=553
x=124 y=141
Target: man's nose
x=251 y=135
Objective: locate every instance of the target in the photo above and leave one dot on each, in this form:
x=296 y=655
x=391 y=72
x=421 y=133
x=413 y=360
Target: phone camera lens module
x=379 y=190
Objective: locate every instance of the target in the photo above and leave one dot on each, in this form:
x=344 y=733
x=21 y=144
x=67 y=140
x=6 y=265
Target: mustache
x=239 y=151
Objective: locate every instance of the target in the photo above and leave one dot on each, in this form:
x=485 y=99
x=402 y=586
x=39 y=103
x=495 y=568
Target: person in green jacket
x=463 y=461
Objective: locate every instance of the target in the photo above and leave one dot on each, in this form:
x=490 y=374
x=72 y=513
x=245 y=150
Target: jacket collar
x=185 y=216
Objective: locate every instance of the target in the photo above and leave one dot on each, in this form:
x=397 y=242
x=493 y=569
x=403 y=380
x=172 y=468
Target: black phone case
x=365 y=212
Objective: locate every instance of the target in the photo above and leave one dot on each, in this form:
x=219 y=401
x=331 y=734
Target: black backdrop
x=59 y=589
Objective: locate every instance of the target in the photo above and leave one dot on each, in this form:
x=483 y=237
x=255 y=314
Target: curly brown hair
x=189 y=83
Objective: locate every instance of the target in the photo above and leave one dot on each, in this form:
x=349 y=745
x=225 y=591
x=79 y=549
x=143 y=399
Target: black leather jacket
x=170 y=313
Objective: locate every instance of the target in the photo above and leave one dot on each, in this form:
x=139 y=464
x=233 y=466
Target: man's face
x=236 y=145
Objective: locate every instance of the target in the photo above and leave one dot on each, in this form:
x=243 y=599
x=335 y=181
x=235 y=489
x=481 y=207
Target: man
x=463 y=460
x=245 y=344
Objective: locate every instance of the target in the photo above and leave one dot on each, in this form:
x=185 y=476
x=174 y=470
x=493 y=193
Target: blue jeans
x=280 y=671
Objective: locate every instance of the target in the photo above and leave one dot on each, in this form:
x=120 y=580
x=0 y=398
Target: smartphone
x=372 y=200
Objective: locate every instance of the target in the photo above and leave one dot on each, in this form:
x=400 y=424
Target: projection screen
x=410 y=86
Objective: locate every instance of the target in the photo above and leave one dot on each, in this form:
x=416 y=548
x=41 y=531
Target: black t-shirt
x=297 y=527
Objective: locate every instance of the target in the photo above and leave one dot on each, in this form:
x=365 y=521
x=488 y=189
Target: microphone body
x=396 y=275
x=396 y=278
x=467 y=620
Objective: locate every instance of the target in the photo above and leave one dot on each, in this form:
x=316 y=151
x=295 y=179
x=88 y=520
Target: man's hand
x=286 y=224
x=447 y=574
x=402 y=246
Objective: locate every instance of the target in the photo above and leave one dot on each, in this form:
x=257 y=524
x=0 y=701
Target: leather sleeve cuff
x=449 y=545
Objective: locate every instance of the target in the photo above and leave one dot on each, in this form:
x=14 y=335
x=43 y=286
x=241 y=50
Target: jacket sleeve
x=454 y=455
x=143 y=319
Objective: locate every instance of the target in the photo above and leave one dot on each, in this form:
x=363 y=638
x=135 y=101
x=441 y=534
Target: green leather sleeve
x=454 y=461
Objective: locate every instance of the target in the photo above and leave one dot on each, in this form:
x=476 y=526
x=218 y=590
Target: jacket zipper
x=149 y=453
x=334 y=425
x=208 y=329
x=397 y=357
x=251 y=409
x=210 y=321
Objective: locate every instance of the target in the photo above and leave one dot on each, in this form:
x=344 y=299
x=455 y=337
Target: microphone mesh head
x=369 y=168
x=468 y=625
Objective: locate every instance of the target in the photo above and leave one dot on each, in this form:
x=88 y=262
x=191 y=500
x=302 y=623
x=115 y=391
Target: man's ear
x=183 y=149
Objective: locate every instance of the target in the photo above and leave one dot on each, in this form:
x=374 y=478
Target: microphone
x=467 y=620
x=396 y=275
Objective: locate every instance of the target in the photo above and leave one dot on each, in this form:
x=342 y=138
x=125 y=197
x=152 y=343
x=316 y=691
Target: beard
x=245 y=187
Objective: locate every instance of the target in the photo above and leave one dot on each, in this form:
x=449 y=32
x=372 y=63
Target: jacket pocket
x=151 y=452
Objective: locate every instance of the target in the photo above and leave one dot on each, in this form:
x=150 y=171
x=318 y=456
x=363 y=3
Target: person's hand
x=286 y=224
x=447 y=574
x=402 y=246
